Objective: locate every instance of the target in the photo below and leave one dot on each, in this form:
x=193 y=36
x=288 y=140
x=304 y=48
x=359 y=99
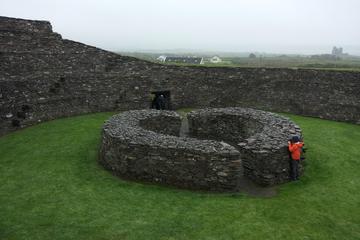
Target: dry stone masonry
x=261 y=138
x=225 y=144
x=144 y=145
x=43 y=77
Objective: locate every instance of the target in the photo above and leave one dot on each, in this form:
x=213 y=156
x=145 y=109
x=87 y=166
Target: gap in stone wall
x=184 y=129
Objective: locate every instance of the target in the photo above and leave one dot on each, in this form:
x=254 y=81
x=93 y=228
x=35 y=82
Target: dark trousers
x=295 y=169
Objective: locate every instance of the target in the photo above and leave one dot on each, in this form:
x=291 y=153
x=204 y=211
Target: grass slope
x=51 y=187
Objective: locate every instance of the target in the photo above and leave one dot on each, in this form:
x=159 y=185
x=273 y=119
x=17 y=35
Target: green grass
x=345 y=63
x=51 y=187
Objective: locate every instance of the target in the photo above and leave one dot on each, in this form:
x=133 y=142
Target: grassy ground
x=344 y=63
x=51 y=187
x=238 y=65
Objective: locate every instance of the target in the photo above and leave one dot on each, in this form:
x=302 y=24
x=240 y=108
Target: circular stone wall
x=144 y=145
x=261 y=137
x=225 y=144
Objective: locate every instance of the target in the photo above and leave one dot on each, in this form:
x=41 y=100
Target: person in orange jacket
x=295 y=149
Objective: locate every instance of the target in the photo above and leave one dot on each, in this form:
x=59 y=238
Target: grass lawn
x=51 y=187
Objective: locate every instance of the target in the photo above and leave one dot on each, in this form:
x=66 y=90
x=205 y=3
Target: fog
x=273 y=26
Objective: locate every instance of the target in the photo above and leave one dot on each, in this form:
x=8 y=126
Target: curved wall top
x=43 y=77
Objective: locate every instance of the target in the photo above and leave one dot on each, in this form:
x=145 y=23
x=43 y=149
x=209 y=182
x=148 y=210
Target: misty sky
x=274 y=26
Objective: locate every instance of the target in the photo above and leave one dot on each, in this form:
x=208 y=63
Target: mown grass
x=51 y=187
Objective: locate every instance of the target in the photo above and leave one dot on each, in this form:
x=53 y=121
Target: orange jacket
x=295 y=150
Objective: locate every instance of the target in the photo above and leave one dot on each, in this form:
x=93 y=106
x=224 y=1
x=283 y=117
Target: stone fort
x=44 y=77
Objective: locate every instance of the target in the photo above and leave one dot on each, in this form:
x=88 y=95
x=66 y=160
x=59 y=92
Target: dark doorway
x=161 y=100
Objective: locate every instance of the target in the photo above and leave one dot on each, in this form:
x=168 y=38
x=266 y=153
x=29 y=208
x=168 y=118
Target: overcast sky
x=277 y=26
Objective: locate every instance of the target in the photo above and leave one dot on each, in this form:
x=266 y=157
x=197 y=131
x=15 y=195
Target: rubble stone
x=57 y=78
x=261 y=138
x=144 y=145
x=224 y=145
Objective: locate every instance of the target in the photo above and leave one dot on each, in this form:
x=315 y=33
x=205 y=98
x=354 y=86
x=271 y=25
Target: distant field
x=296 y=61
x=350 y=63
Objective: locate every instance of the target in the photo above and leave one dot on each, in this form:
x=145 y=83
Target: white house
x=215 y=59
x=161 y=58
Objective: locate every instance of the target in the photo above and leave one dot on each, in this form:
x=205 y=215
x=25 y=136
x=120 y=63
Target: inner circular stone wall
x=224 y=144
x=144 y=145
x=261 y=138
